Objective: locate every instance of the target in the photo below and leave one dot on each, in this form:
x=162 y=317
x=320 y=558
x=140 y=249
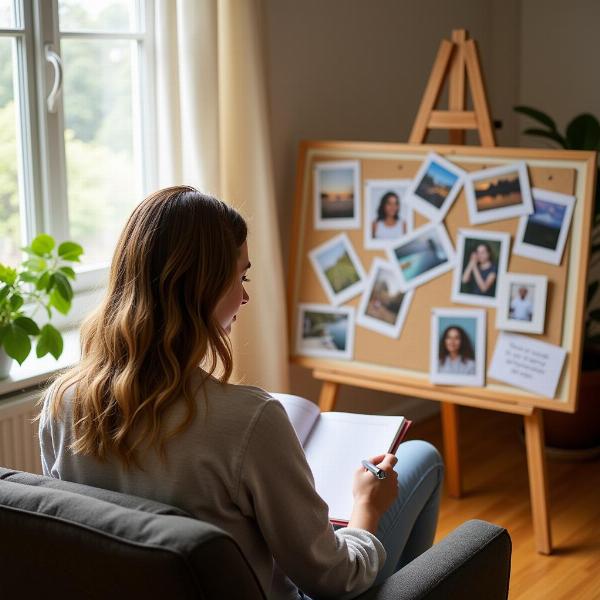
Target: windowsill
x=35 y=371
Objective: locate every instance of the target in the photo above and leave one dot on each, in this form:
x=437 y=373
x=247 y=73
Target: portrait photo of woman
x=457 y=346
x=481 y=264
x=388 y=218
x=455 y=354
x=388 y=225
x=481 y=272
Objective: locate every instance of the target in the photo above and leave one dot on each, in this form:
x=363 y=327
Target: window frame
x=43 y=195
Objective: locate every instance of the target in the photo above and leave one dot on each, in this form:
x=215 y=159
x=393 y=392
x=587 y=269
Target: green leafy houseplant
x=41 y=281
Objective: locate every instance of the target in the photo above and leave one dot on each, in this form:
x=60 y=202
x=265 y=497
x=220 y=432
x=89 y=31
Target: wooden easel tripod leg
x=328 y=396
x=538 y=481
x=449 y=413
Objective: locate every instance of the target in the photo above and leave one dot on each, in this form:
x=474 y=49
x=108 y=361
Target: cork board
x=405 y=360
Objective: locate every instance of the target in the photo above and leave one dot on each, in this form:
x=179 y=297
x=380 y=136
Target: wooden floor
x=496 y=489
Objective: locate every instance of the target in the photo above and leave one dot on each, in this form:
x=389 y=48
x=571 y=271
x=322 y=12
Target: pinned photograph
x=482 y=260
x=457 y=346
x=339 y=269
x=337 y=195
x=498 y=193
x=384 y=306
x=542 y=235
x=388 y=216
x=425 y=254
x=324 y=331
x=435 y=187
x=522 y=303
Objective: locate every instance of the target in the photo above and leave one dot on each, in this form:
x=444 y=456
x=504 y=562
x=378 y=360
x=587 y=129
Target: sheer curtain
x=213 y=134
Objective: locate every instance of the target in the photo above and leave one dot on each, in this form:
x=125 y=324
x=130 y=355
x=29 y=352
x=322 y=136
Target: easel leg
x=328 y=396
x=451 y=455
x=538 y=481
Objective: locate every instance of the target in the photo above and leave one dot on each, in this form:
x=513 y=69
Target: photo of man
x=521 y=304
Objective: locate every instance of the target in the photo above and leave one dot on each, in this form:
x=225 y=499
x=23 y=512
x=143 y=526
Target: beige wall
x=356 y=70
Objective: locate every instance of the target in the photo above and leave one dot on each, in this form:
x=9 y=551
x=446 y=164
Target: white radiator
x=19 y=446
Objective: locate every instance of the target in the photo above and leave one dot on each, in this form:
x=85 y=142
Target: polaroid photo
x=498 y=193
x=423 y=255
x=481 y=263
x=435 y=187
x=522 y=303
x=337 y=194
x=384 y=306
x=457 y=354
x=325 y=331
x=339 y=269
x=542 y=235
x=388 y=217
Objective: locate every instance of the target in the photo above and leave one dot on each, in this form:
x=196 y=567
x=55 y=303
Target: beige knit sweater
x=239 y=466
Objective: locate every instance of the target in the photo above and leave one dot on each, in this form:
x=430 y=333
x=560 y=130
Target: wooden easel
x=455 y=59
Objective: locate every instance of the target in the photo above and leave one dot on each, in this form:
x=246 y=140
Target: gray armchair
x=65 y=540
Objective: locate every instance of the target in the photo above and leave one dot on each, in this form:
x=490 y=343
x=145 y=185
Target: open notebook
x=336 y=442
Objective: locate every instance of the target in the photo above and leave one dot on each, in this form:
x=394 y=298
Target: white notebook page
x=335 y=447
x=301 y=412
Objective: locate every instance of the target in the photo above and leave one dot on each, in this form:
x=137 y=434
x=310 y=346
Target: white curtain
x=213 y=133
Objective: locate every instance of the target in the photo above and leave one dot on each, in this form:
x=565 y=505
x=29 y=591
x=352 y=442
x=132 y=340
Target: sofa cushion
x=62 y=538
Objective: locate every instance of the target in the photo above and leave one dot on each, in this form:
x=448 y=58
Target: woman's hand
x=373 y=496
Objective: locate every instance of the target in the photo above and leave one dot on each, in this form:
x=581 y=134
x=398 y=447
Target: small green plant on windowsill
x=40 y=282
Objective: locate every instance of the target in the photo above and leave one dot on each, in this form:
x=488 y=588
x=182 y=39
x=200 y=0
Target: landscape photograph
x=498 y=192
x=544 y=225
x=435 y=185
x=336 y=193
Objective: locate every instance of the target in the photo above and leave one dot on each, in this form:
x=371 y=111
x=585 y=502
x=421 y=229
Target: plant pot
x=576 y=436
x=5 y=363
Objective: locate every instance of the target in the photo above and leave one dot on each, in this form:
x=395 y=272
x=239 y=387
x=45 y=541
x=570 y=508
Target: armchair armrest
x=473 y=561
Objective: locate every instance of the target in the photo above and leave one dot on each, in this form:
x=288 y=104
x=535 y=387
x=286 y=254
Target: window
x=76 y=104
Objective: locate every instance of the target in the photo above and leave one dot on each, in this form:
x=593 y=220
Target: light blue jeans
x=408 y=527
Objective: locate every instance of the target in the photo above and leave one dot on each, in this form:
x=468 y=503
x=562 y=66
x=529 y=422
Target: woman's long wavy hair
x=175 y=259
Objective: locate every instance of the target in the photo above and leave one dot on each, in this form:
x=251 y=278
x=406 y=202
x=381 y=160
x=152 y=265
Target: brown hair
x=174 y=260
x=465 y=350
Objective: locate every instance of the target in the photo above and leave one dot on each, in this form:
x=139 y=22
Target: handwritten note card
x=527 y=363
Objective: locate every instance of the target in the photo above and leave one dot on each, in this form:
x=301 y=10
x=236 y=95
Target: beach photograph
x=428 y=254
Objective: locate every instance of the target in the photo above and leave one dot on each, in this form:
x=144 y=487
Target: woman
x=388 y=225
x=481 y=272
x=148 y=411
x=456 y=356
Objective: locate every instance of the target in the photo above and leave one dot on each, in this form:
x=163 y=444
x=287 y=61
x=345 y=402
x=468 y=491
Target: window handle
x=56 y=62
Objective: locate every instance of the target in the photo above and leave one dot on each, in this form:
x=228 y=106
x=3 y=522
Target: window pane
x=97 y=15
x=10 y=225
x=7 y=15
x=102 y=178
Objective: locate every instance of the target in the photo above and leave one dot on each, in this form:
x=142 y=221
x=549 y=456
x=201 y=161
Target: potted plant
x=41 y=281
x=578 y=435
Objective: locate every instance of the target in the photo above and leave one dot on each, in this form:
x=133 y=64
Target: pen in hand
x=377 y=472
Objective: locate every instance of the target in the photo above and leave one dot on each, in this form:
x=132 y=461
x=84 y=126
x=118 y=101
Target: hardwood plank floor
x=496 y=489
